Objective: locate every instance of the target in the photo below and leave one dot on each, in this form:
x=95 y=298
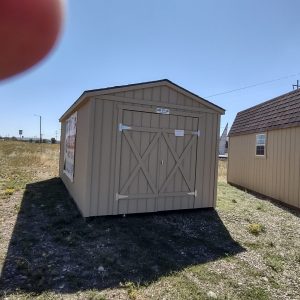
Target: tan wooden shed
x=140 y=148
x=264 y=149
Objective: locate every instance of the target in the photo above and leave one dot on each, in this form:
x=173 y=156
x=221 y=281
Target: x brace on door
x=178 y=160
x=140 y=164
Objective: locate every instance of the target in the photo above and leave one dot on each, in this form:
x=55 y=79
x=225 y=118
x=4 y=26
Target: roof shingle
x=280 y=112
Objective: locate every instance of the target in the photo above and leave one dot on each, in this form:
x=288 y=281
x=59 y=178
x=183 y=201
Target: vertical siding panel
x=188 y=200
x=250 y=155
x=188 y=101
x=171 y=160
x=112 y=168
x=138 y=94
x=208 y=158
x=172 y=96
x=141 y=204
x=216 y=162
x=180 y=99
x=164 y=123
x=135 y=119
x=192 y=172
x=62 y=150
x=105 y=157
x=213 y=160
x=283 y=165
x=297 y=165
x=291 y=163
x=287 y=155
x=179 y=149
x=269 y=166
x=97 y=153
x=201 y=158
x=148 y=94
x=125 y=163
x=164 y=94
x=129 y=94
x=145 y=142
x=156 y=94
x=276 y=163
x=153 y=164
x=280 y=167
x=182 y=183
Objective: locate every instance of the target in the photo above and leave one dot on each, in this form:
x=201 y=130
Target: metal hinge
x=196 y=132
x=123 y=127
x=193 y=193
x=119 y=196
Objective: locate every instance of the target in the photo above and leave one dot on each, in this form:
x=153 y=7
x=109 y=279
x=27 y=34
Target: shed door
x=157 y=160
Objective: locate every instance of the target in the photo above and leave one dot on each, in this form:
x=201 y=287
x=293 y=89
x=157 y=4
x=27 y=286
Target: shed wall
x=78 y=188
x=276 y=175
x=103 y=165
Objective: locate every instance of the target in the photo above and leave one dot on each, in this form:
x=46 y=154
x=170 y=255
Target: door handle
x=162 y=162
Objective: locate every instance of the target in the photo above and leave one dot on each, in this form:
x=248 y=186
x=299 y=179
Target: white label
x=163 y=111
x=179 y=132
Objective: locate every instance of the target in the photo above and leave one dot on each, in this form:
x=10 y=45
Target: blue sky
x=205 y=46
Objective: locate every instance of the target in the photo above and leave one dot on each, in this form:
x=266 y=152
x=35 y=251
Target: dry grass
x=25 y=162
x=247 y=249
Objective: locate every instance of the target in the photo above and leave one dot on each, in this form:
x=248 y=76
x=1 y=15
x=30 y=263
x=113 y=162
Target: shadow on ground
x=54 y=249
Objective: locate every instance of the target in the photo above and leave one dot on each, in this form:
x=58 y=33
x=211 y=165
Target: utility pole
x=296 y=86
x=40 y=127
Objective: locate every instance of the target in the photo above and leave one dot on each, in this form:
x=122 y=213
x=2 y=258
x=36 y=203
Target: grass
x=247 y=248
x=255 y=228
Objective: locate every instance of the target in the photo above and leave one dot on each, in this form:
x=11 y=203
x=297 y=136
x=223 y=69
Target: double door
x=156 y=160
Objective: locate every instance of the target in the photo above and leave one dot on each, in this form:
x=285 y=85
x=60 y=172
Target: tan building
x=140 y=148
x=264 y=149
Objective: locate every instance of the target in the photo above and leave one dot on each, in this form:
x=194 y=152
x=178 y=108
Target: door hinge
x=196 y=132
x=193 y=193
x=123 y=127
x=119 y=196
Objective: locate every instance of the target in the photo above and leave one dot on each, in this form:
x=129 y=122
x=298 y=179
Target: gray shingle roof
x=280 y=112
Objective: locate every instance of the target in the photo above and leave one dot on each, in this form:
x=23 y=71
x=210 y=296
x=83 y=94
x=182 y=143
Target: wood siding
x=78 y=188
x=104 y=183
x=276 y=175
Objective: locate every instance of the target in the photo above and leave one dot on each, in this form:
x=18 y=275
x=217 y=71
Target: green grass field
x=248 y=248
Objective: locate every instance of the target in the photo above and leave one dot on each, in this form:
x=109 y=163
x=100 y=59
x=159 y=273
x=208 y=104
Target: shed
x=264 y=149
x=139 y=148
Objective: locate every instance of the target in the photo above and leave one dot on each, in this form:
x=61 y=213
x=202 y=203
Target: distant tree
x=30 y=140
x=53 y=141
x=13 y=138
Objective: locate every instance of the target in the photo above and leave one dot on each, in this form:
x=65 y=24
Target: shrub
x=9 y=191
x=256 y=228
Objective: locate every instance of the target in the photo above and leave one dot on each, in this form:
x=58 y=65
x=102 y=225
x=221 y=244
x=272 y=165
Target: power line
x=253 y=85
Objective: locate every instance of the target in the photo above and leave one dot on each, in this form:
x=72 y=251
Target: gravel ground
x=248 y=248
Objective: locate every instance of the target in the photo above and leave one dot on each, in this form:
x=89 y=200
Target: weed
x=275 y=262
x=9 y=191
x=260 y=206
x=94 y=295
x=256 y=228
x=255 y=293
x=132 y=290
